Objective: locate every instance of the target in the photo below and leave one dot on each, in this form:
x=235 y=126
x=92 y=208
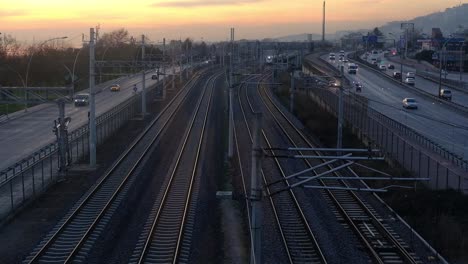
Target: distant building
x=437 y=33
x=454 y=54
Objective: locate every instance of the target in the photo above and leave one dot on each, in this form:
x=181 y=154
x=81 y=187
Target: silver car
x=409 y=81
x=410 y=103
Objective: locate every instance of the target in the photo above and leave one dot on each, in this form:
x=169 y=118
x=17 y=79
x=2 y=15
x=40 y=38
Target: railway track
x=162 y=237
x=298 y=239
x=74 y=236
x=383 y=244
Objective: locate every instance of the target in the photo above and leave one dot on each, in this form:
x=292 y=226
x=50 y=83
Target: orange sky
x=209 y=18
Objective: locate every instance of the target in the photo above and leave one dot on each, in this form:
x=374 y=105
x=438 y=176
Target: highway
x=425 y=84
x=32 y=130
x=432 y=119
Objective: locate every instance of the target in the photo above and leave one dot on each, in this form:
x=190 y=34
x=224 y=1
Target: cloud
x=203 y=3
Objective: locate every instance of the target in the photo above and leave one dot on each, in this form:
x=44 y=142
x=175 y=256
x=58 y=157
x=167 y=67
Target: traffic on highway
x=432 y=118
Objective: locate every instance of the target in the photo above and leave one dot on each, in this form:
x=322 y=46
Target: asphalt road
x=432 y=119
x=32 y=130
x=424 y=84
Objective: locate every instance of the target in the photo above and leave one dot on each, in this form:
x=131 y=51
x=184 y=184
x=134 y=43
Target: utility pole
x=256 y=193
x=339 y=141
x=291 y=93
x=60 y=129
x=173 y=67
x=461 y=63
x=406 y=43
x=191 y=60
x=323 y=23
x=164 y=70
x=231 y=114
x=180 y=60
x=92 y=103
x=143 y=80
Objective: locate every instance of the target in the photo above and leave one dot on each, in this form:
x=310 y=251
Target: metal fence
x=414 y=135
x=454 y=84
x=34 y=174
x=399 y=142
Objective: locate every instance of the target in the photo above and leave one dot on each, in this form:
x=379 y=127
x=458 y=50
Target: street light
x=30 y=58
x=440 y=63
x=461 y=62
x=401 y=59
x=393 y=38
x=73 y=71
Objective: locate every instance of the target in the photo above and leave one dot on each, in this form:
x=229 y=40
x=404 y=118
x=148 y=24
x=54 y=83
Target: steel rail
x=293 y=257
x=406 y=256
x=172 y=186
x=81 y=206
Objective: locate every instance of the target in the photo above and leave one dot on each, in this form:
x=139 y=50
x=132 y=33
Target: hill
x=449 y=21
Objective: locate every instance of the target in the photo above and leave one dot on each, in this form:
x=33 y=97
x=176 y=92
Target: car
x=332 y=58
x=410 y=103
x=409 y=81
x=445 y=94
x=81 y=99
x=358 y=86
x=411 y=74
x=345 y=60
x=154 y=77
x=397 y=75
x=342 y=51
x=115 y=88
x=382 y=67
x=390 y=66
x=374 y=62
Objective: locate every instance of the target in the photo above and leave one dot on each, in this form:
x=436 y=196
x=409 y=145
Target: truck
x=352 y=68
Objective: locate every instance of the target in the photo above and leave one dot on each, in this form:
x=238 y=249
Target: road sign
x=369 y=39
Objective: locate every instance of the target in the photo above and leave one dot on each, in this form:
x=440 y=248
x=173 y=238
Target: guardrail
x=414 y=135
x=35 y=173
x=460 y=108
x=393 y=138
x=455 y=85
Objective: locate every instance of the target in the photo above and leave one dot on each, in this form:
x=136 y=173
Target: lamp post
x=401 y=59
x=32 y=54
x=394 y=41
x=102 y=59
x=73 y=71
x=440 y=63
x=461 y=63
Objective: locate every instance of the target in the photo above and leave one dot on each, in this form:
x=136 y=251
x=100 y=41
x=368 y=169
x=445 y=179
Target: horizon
x=207 y=20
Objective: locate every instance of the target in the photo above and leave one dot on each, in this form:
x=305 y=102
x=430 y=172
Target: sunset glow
x=296 y=16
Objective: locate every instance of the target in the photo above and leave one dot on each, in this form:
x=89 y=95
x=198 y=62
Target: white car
x=382 y=67
x=409 y=81
x=410 y=74
x=410 y=103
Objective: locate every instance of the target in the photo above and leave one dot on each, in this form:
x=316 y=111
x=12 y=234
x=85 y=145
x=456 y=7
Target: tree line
x=54 y=64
